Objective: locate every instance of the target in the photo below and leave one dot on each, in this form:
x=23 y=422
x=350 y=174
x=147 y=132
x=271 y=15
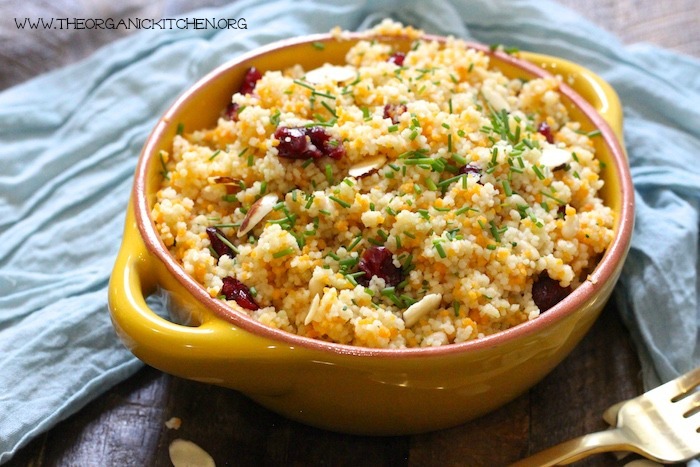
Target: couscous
x=401 y=199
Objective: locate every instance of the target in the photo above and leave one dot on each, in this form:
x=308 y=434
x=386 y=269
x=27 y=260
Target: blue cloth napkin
x=69 y=141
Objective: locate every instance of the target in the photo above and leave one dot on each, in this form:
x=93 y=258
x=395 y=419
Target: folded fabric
x=70 y=140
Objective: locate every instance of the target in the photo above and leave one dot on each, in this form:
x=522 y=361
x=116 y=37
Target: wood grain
x=672 y=24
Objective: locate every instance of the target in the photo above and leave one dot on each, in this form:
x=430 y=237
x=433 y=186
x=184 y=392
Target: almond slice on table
x=257 y=212
x=185 y=453
x=367 y=166
x=421 y=308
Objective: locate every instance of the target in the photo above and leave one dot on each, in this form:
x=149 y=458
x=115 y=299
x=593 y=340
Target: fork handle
x=575 y=449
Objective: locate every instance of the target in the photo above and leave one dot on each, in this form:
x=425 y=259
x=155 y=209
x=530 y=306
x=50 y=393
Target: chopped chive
x=329 y=174
x=494 y=231
x=538 y=172
x=318 y=45
x=464 y=209
x=440 y=249
x=430 y=184
x=334 y=256
x=323 y=211
x=491 y=246
x=448 y=181
x=355 y=242
x=459 y=159
x=263 y=187
x=163 y=172
x=393 y=128
x=227 y=242
x=398 y=241
x=409 y=234
x=390 y=211
x=180 y=128
x=382 y=234
x=417 y=189
x=307 y=162
x=309 y=201
x=329 y=108
x=218 y=151
x=375 y=242
x=456 y=305
x=342 y=203
x=506 y=188
x=281 y=253
x=303 y=84
x=424 y=213
x=251 y=161
x=449 y=142
x=552 y=197
x=442 y=209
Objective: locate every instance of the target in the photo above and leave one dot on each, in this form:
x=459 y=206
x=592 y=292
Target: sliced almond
x=223 y=180
x=367 y=166
x=185 y=453
x=313 y=309
x=174 y=423
x=329 y=72
x=257 y=212
x=421 y=308
x=554 y=157
x=497 y=101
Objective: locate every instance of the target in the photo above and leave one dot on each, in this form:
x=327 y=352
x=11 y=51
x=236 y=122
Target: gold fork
x=662 y=424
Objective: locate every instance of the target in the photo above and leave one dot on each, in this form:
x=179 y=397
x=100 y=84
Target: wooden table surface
x=126 y=426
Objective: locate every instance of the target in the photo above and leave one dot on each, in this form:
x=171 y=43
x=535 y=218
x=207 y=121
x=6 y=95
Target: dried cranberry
x=546 y=292
x=250 y=80
x=470 y=169
x=394 y=111
x=233 y=289
x=378 y=261
x=329 y=146
x=397 y=58
x=231 y=112
x=218 y=245
x=303 y=143
x=546 y=131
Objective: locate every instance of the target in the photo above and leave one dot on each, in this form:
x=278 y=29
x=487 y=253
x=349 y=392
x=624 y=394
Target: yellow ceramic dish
x=352 y=389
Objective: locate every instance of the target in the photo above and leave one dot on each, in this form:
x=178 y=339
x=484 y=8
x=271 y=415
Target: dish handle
x=215 y=351
x=594 y=89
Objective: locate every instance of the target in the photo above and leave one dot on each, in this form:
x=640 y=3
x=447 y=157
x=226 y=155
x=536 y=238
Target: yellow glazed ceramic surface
x=352 y=389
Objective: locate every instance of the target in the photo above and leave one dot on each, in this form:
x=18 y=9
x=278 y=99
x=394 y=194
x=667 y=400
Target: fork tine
x=676 y=388
x=689 y=405
x=689 y=380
